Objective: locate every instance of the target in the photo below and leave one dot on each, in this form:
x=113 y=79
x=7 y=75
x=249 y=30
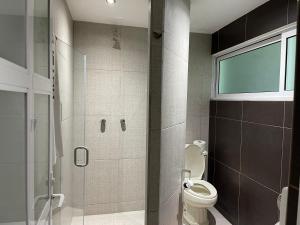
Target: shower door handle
x=84 y=161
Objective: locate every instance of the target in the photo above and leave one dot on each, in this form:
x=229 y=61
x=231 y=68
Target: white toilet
x=198 y=194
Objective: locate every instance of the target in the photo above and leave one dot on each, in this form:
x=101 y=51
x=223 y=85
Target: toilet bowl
x=199 y=194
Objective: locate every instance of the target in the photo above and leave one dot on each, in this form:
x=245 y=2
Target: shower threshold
x=122 y=218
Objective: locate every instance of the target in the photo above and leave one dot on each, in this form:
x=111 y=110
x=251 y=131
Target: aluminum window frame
x=278 y=35
x=284 y=45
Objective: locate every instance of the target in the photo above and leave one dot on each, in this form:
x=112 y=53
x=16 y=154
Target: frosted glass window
x=41 y=37
x=13 y=158
x=254 y=71
x=290 y=63
x=13 y=31
x=41 y=152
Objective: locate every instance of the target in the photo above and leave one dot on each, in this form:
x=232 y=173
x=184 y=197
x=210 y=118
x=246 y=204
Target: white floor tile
x=220 y=219
x=124 y=218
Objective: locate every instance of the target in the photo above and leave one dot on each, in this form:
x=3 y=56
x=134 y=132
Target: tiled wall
x=199 y=84
x=170 y=20
x=249 y=150
x=117 y=65
x=271 y=15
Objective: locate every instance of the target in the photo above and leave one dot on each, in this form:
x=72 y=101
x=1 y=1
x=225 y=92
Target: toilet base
x=194 y=216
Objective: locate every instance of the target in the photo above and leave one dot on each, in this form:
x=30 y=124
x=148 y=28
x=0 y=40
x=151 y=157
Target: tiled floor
x=134 y=218
x=124 y=218
x=13 y=223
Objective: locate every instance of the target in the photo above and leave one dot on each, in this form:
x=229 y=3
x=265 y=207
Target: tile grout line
x=242 y=174
x=241 y=144
x=282 y=146
x=215 y=139
x=249 y=122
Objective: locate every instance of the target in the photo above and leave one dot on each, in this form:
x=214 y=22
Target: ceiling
x=207 y=16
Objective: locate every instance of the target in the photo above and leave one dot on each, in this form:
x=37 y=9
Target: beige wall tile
x=116 y=89
x=199 y=87
x=131 y=180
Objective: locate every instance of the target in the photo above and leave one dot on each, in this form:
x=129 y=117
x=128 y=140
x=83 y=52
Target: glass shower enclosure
x=72 y=155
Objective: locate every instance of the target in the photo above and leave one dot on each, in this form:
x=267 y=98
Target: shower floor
x=123 y=218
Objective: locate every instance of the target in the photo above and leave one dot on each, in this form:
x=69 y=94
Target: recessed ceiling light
x=111 y=2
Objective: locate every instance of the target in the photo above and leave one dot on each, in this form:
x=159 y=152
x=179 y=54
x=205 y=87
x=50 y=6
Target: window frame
x=284 y=45
x=278 y=35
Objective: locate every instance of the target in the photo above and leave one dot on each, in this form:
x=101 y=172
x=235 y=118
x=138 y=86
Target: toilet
x=198 y=194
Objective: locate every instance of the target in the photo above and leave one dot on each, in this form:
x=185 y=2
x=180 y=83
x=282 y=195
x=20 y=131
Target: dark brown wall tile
x=261 y=151
x=286 y=154
x=232 y=34
x=292 y=11
x=267 y=17
x=211 y=170
x=295 y=163
x=227 y=183
x=212 y=108
x=264 y=112
x=258 y=205
x=289 y=111
x=229 y=109
x=215 y=42
x=228 y=141
x=261 y=154
x=212 y=135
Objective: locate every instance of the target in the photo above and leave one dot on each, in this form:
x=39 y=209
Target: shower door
x=69 y=170
x=80 y=152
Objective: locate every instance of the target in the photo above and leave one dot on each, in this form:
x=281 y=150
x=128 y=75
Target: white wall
x=199 y=86
x=63 y=22
x=168 y=99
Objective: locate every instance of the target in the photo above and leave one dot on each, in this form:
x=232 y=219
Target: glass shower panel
x=290 y=63
x=41 y=153
x=13 y=158
x=41 y=37
x=254 y=71
x=79 y=135
x=13 y=31
x=69 y=179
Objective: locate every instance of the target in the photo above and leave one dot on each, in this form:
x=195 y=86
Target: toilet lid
x=194 y=160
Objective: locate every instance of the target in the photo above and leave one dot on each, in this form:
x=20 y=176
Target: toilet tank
x=195 y=159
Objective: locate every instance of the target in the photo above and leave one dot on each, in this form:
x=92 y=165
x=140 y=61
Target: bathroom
x=114 y=123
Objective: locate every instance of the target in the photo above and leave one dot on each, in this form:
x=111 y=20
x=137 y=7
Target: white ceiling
x=124 y=12
x=207 y=16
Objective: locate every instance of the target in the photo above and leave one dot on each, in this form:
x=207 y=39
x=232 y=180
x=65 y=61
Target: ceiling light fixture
x=111 y=2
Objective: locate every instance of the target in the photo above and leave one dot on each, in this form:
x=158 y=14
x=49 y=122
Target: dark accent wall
x=249 y=152
x=267 y=17
x=293 y=195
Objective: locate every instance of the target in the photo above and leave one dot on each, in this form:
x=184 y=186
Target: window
x=13 y=31
x=290 y=63
x=41 y=37
x=264 y=68
x=13 y=157
x=254 y=71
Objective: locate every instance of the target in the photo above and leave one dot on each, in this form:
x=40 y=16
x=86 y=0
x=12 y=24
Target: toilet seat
x=201 y=194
